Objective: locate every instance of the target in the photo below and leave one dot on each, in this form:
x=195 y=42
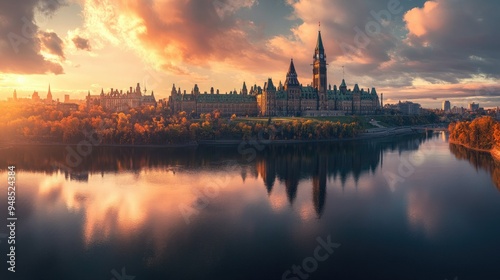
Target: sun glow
x=21 y=80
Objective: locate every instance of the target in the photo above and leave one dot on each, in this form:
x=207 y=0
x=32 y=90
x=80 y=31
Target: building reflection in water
x=324 y=163
x=293 y=166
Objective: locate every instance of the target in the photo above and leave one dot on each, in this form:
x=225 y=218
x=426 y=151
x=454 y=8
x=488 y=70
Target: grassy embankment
x=364 y=121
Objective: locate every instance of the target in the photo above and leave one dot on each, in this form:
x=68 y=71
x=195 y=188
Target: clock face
x=321 y=56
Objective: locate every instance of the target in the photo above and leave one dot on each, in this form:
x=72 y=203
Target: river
x=412 y=207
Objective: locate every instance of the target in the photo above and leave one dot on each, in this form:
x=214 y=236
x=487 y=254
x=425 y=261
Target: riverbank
x=495 y=152
x=368 y=134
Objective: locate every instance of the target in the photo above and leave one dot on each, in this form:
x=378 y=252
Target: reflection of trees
x=289 y=164
x=51 y=159
x=480 y=160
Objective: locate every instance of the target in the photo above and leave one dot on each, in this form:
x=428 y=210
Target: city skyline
x=425 y=51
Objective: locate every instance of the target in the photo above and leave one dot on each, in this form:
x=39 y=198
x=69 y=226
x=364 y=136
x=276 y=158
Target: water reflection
x=120 y=207
x=480 y=160
x=125 y=182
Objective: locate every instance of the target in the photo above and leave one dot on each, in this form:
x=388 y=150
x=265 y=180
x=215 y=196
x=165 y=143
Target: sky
x=417 y=50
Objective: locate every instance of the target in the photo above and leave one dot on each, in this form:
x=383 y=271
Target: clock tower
x=319 y=73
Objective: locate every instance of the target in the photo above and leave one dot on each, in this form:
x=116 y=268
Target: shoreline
x=494 y=152
x=368 y=134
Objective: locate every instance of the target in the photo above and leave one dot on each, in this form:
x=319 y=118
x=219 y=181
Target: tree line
x=482 y=133
x=40 y=123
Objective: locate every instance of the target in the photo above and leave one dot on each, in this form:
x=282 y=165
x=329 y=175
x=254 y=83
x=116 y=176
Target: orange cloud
x=169 y=34
x=420 y=20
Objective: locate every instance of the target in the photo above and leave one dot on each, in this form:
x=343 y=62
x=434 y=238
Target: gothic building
x=119 y=101
x=241 y=104
x=288 y=99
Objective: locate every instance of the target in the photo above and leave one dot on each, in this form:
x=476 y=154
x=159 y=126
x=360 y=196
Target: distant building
x=119 y=101
x=409 y=108
x=35 y=97
x=48 y=100
x=458 y=110
x=473 y=107
x=446 y=106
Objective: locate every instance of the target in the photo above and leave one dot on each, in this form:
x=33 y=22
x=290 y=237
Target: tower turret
x=319 y=73
x=196 y=90
x=343 y=87
x=138 y=89
x=244 y=91
x=291 y=77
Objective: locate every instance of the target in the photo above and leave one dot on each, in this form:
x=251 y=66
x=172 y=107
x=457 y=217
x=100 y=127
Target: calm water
x=403 y=208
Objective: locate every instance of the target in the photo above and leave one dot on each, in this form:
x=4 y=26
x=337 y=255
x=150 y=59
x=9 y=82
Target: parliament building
x=290 y=98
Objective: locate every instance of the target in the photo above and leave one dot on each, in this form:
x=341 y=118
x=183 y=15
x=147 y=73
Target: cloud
x=229 y=7
x=446 y=43
x=420 y=20
x=20 y=42
x=451 y=40
x=52 y=43
x=170 y=34
x=81 y=43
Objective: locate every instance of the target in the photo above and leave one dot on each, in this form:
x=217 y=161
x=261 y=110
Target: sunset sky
x=424 y=51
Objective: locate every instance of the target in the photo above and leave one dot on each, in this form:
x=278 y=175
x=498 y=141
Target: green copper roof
x=319 y=45
x=356 y=88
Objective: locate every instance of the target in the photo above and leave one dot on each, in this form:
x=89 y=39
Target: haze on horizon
x=424 y=51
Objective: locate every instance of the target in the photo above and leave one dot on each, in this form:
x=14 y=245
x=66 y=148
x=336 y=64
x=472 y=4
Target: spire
x=270 y=85
x=291 y=69
x=49 y=95
x=244 y=91
x=291 y=76
x=319 y=44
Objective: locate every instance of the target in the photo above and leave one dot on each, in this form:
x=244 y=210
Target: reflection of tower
x=319 y=184
x=243 y=173
x=292 y=167
x=291 y=185
x=267 y=170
